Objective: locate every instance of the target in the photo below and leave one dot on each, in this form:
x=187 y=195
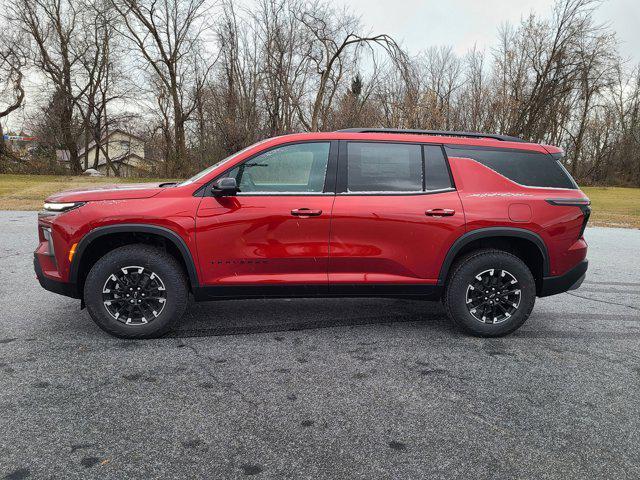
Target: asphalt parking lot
x=357 y=388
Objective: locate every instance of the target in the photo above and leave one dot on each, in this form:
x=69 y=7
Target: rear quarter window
x=531 y=169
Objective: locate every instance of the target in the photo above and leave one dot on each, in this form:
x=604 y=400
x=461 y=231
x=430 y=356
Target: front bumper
x=55 y=286
x=571 y=280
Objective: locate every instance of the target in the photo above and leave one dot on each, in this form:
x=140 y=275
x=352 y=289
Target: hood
x=119 y=191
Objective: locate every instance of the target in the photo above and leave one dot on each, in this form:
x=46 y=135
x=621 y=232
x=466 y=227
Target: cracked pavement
x=344 y=388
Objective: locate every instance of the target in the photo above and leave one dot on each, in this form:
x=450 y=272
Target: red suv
x=484 y=222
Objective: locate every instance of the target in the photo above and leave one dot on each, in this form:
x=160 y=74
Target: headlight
x=61 y=207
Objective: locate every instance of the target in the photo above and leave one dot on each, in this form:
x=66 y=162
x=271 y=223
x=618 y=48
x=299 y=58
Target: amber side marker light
x=72 y=251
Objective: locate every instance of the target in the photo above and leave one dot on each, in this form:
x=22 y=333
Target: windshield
x=206 y=171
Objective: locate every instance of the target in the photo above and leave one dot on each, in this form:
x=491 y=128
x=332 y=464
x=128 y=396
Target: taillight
x=584 y=204
x=586 y=211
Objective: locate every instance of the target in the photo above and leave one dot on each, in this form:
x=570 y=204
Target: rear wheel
x=490 y=293
x=136 y=291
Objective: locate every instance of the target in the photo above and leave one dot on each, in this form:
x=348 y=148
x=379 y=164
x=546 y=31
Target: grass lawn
x=612 y=206
x=27 y=192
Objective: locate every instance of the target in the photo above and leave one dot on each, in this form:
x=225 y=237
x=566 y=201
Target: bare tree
x=102 y=71
x=169 y=36
x=235 y=92
x=52 y=26
x=283 y=55
x=13 y=63
x=547 y=57
x=332 y=35
x=596 y=73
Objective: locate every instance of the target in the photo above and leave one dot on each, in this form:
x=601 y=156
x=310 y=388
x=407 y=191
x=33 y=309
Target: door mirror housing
x=225 y=187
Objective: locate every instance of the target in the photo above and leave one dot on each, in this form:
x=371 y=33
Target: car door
x=275 y=231
x=395 y=216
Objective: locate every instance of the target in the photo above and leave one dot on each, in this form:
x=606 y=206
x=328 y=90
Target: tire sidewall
x=464 y=273
x=150 y=258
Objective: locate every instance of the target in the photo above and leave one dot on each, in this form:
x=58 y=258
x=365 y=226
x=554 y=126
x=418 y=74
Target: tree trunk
x=86 y=147
x=580 y=137
x=180 y=148
x=68 y=139
x=3 y=144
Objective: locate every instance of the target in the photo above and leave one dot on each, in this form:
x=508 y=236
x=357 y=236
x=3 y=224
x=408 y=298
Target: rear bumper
x=562 y=283
x=55 y=286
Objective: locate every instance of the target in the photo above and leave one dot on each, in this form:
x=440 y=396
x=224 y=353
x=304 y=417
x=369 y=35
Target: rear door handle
x=305 y=212
x=440 y=212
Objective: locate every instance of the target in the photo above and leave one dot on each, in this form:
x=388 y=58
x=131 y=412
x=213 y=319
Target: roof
x=411 y=131
x=408 y=136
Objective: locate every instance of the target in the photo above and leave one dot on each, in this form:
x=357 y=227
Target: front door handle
x=305 y=212
x=440 y=212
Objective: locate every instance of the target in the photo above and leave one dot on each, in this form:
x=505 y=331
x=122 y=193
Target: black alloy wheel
x=134 y=295
x=493 y=296
x=136 y=291
x=489 y=292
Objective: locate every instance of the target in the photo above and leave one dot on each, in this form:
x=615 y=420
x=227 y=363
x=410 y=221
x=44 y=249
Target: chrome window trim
x=283 y=194
x=396 y=193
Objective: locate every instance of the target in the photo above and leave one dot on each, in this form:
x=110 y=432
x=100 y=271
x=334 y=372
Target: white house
x=125 y=150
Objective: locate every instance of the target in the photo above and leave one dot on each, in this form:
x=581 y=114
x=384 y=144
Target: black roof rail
x=504 y=138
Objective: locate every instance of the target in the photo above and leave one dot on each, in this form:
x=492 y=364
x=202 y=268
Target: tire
x=489 y=272
x=113 y=275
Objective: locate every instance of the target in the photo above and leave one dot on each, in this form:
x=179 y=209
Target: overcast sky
x=418 y=24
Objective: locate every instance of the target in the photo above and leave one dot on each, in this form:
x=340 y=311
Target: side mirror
x=225 y=187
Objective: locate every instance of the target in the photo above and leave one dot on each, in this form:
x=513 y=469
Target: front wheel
x=489 y=293
x=136 y=291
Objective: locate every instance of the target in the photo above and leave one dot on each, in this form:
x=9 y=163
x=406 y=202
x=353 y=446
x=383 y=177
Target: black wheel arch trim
x=164 y=232
x=491 y=232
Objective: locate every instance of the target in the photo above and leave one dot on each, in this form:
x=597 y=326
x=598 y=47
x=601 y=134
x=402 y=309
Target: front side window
x=384 y=167
x=198 y=177
x=299 y=168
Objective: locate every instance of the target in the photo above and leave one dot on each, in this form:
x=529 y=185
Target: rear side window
x=384 y=167
x=436 y=171
x=532 y=169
